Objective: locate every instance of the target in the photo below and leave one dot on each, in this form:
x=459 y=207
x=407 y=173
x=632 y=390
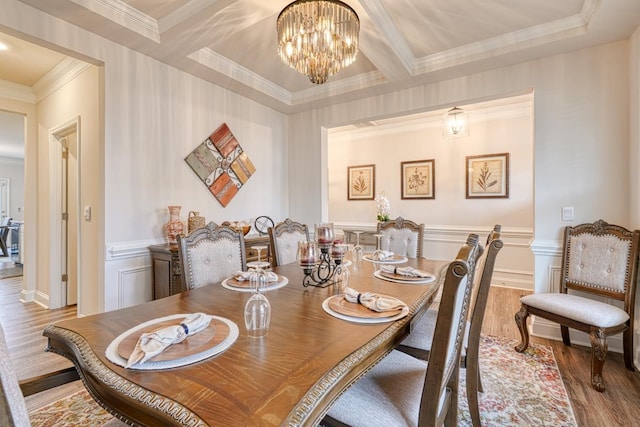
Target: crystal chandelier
x=318 y=38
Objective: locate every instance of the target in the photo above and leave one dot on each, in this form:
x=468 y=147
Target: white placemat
x=112 y=350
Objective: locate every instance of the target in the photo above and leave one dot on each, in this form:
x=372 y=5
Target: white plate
x=366 y=320
x=397 y=259
x=113 y=355
x=277 y=285
x=410 y=282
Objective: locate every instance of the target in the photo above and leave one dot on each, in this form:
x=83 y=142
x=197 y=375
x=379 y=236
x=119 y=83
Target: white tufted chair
x=598 y=259
x=284 y=238
x=402 y=237
x=211 y=254
x=404 y=391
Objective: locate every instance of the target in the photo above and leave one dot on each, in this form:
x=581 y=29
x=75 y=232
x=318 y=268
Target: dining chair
x=402 y=390
x=284 y=238
x=211 y=254
x=402 y=237
x=598 y=259
x=13 y=409
x=418 y=343
x=4 y=233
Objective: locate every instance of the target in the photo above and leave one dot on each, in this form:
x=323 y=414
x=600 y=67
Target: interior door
x=69 y=250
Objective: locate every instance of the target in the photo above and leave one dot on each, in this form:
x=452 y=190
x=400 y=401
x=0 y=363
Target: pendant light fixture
x=456 y=123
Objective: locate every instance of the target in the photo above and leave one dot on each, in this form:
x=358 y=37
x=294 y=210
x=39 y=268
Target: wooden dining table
x=290 y=377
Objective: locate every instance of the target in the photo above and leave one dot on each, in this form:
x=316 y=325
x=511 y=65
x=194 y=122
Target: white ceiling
x=403 y=43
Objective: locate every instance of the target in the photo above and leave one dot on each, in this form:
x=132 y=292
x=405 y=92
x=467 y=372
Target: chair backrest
x=402 y=237
x=440 y=391
x=284 y=238
x=13 y=410
x=211 y=254
x=601 y=259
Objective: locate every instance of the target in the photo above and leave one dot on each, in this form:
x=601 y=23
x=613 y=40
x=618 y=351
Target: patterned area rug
x=519 y=390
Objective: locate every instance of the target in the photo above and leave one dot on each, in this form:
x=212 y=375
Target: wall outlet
x=567 y=213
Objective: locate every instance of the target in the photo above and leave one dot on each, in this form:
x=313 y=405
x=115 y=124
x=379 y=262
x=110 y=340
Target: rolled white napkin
x=373 y=301
x=381 y=255
x=153 y=343
x=246 y=275
x=404 y=271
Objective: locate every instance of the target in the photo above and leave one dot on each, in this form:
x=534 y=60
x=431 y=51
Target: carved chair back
x=402 y=237
x=211 y=254
x=284 y=238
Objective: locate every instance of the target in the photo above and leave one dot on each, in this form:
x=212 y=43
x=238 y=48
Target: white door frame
x=57 y=290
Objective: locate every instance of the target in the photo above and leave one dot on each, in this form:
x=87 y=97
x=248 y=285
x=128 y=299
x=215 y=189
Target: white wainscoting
x=128 y=274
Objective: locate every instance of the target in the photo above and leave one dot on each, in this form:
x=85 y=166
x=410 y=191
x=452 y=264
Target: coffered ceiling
x=403 y=43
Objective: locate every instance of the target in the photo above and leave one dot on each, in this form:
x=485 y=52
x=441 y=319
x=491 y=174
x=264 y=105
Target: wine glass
x=257 y=311
x=357 y=252
x=377 y=254
x=259 y=265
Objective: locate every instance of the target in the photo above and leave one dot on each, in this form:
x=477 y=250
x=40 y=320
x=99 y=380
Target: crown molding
x=528 y=37
x=214 y=61
x=17 y=92
x=59 y=76
x=122 y=14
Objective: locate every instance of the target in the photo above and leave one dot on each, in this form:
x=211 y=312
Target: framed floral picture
x=418 y=179
x=488 y=176
x=361 y=182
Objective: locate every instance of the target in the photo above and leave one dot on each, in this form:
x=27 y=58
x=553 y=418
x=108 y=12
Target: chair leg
x=598 y=355
x=565 y=335
x=521 y=321
x=473 y=386
x=627 y=341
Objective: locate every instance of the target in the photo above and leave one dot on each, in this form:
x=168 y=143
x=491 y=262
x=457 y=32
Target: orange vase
x=174 y=227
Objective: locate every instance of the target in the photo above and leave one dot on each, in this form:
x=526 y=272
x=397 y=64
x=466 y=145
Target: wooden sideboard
x=167 y=271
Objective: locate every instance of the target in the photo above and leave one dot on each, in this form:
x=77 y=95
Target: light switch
x=567 y=213
x=87 y=213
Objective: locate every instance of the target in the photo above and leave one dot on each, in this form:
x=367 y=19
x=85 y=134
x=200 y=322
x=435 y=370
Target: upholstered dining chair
x=598 y=259
x=13 y=410
x=211 y=254
x=402 y=237
x=404 y=391
x=284 y=238
x=4 y=232
x=418 y=342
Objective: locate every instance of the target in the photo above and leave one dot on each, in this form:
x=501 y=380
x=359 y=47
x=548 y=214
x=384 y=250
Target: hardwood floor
x=618 y=406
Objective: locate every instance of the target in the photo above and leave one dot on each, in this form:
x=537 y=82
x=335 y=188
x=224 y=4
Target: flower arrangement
x=383 y=207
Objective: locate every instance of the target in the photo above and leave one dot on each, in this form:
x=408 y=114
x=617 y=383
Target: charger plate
x=216 y=338
x=245 y=285
x=393 y=259
x=404 y=279
x=430 y=277
x=338 y=306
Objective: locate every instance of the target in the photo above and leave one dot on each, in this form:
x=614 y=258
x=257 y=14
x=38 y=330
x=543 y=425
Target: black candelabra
x=325 y=272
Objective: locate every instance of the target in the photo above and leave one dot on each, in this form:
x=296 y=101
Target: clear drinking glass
x=377 y=253
x=257 y=311
x=341 y=279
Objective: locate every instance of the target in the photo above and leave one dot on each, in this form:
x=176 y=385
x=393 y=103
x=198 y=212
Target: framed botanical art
x=488 y=176
x=418 y=179
x=361 y=182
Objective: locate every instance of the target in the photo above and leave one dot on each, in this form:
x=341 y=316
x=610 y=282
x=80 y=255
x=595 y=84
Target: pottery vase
x=174 y=227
